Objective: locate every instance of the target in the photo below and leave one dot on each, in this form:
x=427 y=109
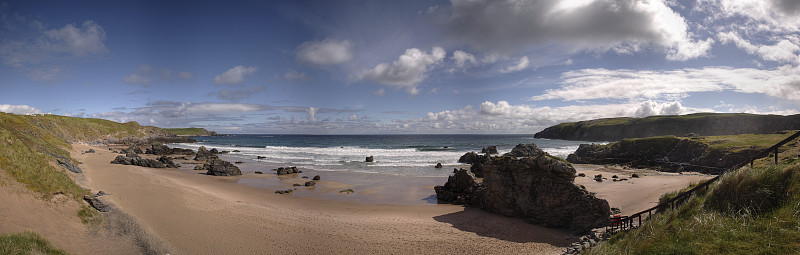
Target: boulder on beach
x=539 y=188
x=132 y=149
x=136 y=160
x=97 y=204
x=218 y=167
x=69 y=166
x=310 y=183
x=370 y=159
x=90 y=151
x=316 y=178
x=205 y=155
x=167 y=161
x=438 y=165
x=525 y=150
x=287 y=170
x=260 y=157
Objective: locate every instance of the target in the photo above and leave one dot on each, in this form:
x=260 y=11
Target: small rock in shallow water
x=316 y=178
x=259 y=172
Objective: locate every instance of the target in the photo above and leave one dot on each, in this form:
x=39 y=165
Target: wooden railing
x=635 y=220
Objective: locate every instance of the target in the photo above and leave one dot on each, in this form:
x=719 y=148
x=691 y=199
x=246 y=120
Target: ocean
x=408 y=155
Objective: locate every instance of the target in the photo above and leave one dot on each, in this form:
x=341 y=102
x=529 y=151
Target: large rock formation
x=536 y=186
x=160 y=149
x=69 y=166
x=665 y=153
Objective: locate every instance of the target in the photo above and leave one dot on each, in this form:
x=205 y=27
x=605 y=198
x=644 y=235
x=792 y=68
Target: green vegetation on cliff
x=749 y=211
x=191 y=131
x=706 y=124
x=27 y=242
x=30 y=144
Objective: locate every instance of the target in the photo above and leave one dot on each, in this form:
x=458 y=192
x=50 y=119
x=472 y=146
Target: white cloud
x=77 y=41
x=463 y=59
x=136 y=79
x=588 y=84
x=519 y=65
x=312 y=115
x=144 y=76
x=784 y=52
x=380 y=92
x=293 y=75
x=407 y=71
x=353 y=117
x=19 y=109
x=234 y=76
x=185 y=75
x=781 y=16
x=325 y=52
x=600 y=25
x=238 y=94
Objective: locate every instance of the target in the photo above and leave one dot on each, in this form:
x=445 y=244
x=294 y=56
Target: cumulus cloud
x=762 y=15
x=42 y=51
x=784 y=51
x=519 y=65
x=312 y=114
x=407 y=71
x=600 y=25
x=19 y=109
x=588 y=84
x=325 y=52
x=234 y=76
x=353 y=117
x=462 y=59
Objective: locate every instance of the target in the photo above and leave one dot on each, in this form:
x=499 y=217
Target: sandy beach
x=182 y=211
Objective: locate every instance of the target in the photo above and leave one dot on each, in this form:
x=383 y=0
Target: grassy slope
x=190 y=131
x=27 y=243
x=29 y=141
x=749 y=211
x=730 y=143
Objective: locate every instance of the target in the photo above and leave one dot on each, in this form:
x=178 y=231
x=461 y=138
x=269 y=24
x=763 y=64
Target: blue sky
x=362 y=67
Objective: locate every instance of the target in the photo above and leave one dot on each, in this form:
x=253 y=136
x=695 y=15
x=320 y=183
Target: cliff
x=711 y=154
x=704 y=124
x=191 y=131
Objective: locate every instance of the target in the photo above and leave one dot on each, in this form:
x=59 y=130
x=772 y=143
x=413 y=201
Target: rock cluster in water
x=527 y=183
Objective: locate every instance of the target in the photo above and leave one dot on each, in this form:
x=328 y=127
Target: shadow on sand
x=506 y=228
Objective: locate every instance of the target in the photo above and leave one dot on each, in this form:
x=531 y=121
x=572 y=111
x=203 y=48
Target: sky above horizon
x=394 y=67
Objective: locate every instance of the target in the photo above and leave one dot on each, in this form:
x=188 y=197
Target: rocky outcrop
x=136 y=160
x=69 y=166
x=132 y=149
x=472 y=157
x=160 y=149
x=287 y=170
x=664 y=153
x=525 y=150
x=218 y=167
x=489 y=150
x=97 y=204
x=167 y=161
x=704 y=124
x=370 y=159
x=205 y=155
x=539 y=188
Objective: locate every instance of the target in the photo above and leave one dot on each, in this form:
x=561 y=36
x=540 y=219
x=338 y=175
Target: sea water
x=410 y=155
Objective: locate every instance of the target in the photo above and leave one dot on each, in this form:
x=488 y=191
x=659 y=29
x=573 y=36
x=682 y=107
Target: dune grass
x=27 y=242
x=749 y=211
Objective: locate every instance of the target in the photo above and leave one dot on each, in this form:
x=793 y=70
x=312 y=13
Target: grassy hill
x=749 y=211
x=705 y=124
x=30 y=144
x=191 y=131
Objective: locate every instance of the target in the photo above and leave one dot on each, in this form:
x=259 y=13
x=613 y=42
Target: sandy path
x=635 y=194
x=198 y=214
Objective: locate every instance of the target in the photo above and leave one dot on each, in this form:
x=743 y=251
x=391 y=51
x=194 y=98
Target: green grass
x=89 y=216
x=749 y=211
x=190 y=131
x=28 y=143
x=27 y=242
x=744 y=141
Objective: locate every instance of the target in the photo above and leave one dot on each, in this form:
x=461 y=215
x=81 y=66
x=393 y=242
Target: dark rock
x=469 y=158
x=90 y=151
x=218 y=167
x=310 y=183
x=167 y=161
x=539 y=188
x=634 y=176
x=100 y=194
x=199 y=167
x=316 y=178
x=236 y=151
x=614 y=177
x=260 y=157
x=136 y=160
x=581 y=175
x=598 y=177
x=477 y=169
x=97 y=204
x=305 y=177
x=489 y=150
x=69 y=166
x=296 y=185
x=224 y=152
x=370 y=159
x=525 y=150
x=259 y=172
x=213 y=151
x=158 y=149
x=286 y=170
x=132 y=149
x=238 y=162
x=284 y=191
x=205 y=155
x=438 y=165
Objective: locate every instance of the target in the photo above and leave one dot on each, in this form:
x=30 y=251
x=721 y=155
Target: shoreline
x=174 y=206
